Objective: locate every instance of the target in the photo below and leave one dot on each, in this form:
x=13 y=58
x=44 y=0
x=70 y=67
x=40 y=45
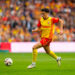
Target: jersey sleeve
x=55 y=20
x=39 y=24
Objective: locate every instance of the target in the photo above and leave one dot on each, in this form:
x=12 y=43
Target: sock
x=53 y=55
x=34 y=56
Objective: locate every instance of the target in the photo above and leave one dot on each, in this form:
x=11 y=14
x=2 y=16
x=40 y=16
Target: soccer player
x=45 y=26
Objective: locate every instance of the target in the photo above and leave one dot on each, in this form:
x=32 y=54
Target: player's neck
x=46 y=18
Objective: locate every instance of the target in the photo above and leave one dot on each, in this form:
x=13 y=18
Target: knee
x=34 y=47
x=47 y=52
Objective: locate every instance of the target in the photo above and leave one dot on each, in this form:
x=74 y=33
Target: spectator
x=19 y=17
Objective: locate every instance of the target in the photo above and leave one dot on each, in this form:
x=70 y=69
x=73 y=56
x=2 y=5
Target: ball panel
x=8 y=61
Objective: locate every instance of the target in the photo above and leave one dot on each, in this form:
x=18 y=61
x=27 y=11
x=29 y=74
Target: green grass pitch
x=45 y=64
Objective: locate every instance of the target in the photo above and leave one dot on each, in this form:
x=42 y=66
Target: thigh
x=38 y=45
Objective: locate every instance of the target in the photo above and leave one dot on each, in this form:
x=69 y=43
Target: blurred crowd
x=19 y=17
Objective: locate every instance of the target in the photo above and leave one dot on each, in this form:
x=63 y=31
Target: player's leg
x=52 y=54
x=49 y=52
x=35 y=47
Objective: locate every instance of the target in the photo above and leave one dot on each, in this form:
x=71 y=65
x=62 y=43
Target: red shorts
x=45 y=41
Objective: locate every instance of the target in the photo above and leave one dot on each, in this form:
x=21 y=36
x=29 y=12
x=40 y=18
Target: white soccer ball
x=8 y=61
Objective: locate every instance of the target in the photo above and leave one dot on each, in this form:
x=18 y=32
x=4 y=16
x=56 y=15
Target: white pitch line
x=62 y=59
x=68 y=59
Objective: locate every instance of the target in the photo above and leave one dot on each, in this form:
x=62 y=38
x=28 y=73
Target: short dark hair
x=45 y=10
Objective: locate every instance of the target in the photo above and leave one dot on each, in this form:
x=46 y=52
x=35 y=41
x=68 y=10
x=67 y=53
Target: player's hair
x=45 y=10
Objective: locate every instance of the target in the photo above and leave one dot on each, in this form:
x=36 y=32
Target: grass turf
x=45 y=64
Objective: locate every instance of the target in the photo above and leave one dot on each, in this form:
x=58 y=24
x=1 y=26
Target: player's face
x=44 y=15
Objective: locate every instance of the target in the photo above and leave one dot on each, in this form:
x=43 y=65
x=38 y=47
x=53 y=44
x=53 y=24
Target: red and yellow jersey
x=46 y=27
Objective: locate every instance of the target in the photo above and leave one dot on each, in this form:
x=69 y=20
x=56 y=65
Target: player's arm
x=38 y=27
x=61 y=22
x=36 y=30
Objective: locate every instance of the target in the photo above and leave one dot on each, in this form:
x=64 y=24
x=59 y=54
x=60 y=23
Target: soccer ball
x=8 y=62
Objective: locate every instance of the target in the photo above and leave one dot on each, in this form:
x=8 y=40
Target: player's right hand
x=61 y=32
